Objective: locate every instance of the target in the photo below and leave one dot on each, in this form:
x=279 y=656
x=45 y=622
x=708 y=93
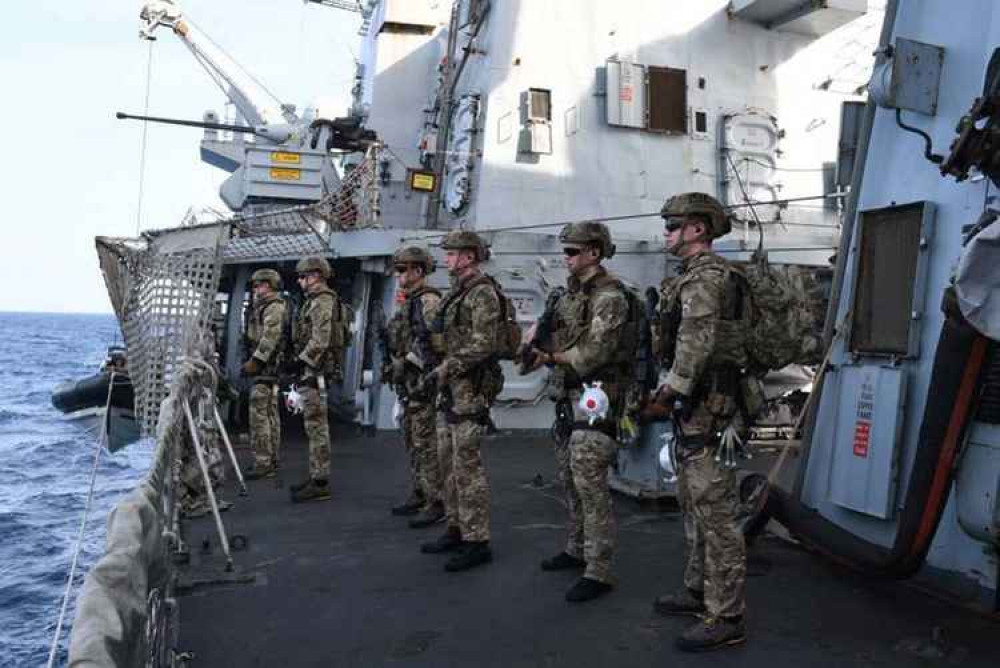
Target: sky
x=71 y=170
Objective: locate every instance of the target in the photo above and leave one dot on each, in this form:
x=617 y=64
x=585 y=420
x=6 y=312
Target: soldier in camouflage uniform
x=404 y=369
x=264 y=343
x=318 y=340
x=703 y=356
x=468 y=379
x=193 y=495
x=593 y=339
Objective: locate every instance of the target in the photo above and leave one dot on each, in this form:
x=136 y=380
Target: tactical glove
x=251 y=367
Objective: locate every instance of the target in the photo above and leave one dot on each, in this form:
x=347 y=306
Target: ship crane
x=289 y=159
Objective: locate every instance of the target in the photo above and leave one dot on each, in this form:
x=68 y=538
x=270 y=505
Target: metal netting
x=302 y=230
x=163 y=302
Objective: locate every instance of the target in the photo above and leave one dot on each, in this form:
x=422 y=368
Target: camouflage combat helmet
x=267 y=276
x=414 y=255
x=586 y=234
x=465 y=239
x=700 y=205
x=314 y=264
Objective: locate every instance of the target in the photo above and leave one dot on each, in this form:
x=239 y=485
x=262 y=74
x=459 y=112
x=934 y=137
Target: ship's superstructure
x=514 y=117
x=903 y=457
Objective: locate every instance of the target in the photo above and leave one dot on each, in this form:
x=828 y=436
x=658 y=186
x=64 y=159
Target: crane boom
x=221 y=67
x=347 y=5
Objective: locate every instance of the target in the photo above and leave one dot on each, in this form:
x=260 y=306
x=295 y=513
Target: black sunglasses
x=401 y=268
x=571 y=252
x=673 y=223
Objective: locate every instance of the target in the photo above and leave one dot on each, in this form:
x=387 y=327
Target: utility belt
x=607 y=426
x=315 y=382
x=689 y=445
x=267 y=381
x=479 y=417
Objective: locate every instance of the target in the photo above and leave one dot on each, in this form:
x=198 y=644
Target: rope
x=83 y=524
x=142 y=149
x=750 y=203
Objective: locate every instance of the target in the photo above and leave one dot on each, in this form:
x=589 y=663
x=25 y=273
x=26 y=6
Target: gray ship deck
x=342 y=583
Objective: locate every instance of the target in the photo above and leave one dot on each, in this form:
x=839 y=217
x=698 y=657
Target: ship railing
x=126 y=614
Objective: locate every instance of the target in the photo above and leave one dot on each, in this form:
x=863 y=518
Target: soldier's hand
x=654 y=412
x=251 y=367
x=539 y=358
x=664 y=397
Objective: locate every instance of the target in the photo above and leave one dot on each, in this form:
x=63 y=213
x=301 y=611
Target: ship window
x=886 y=283
x=667 y=96
x=700 y=122
x=539 y=104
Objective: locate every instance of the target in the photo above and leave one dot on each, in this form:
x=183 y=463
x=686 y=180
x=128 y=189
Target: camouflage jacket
x=590 y=328
x=699 y=340
x=313 y=332
x=264 y=332
x=468 y=319
x=402 y=334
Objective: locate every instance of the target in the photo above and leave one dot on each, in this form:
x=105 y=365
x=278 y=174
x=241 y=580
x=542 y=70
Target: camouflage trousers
x=465 y=490
x=716 y=554
x=265 y=425
x=317 y=426
x=420 y=438
x=583 y=470
x=192 y=481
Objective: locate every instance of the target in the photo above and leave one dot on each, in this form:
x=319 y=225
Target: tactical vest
x=574 y=312
x=402 y=327
x=340 y=328
x=453 y=319
x=452 y=329
x=255 y=331
x=728 y=360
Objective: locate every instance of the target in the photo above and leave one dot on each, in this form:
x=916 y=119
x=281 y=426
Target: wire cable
x=633 y=216
x=747 y=158
x=142 y=144
x=746 y=198
x=235 y=62
x=101 y=442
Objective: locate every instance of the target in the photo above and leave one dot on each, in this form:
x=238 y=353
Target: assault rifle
x=381 y=332
x=646 y=371
x=542 y=339
x=426 y=359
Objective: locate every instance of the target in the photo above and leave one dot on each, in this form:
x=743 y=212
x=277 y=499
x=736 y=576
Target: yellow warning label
x=280 y=174
x=286 y=158
x=423 y=181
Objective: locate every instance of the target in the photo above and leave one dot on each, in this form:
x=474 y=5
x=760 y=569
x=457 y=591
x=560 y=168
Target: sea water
x=45 y=470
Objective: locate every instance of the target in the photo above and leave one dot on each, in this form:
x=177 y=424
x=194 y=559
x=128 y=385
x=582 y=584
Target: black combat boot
x=260 y=473
x=411 y=506
x=299 y=485
x=433 y=515
x=314 y=490
x=685 y=603
x=562 y=562
x=472 y=554
x=450 y=540
x=712 y=633
x=586 y=589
